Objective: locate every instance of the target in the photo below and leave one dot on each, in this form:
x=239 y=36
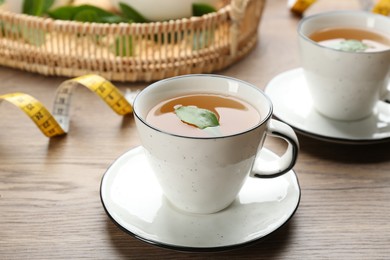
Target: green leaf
x=86 y=16
x=63 y=13
x=198 y=117
x=351 y=45
x=36 y=7
x=33 y=36
x=199 y=9
x=85 y=13
x=2 y=2
x=131 y=14
x=123 y=46
x=202 y=39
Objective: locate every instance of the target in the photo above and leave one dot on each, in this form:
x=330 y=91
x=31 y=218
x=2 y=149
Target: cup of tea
x=345 y=57
x=202 y=136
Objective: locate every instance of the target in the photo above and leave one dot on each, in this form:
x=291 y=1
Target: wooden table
x=49 y=188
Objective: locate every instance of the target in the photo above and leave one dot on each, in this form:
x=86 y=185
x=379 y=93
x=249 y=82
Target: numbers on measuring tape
x=36 y=111
x=57 y=123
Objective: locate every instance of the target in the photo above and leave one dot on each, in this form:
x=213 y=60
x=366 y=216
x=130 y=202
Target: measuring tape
x=299 y=6
x=57 y=123
x=380 y=6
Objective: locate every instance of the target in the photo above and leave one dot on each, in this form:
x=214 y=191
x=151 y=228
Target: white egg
x=159 y=10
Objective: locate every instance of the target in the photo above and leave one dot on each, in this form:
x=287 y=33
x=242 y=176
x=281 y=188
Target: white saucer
x=133 y=199
x=293 y=105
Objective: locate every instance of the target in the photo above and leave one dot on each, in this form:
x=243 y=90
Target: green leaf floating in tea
x=351 y=45
x=199 y=117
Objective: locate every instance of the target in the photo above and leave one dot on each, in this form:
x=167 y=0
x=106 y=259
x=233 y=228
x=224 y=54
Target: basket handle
x=237 y=13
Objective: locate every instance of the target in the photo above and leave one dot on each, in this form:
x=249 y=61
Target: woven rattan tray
x=131 y=52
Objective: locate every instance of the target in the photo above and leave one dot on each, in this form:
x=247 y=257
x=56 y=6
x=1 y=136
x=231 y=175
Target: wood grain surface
x=49 y=188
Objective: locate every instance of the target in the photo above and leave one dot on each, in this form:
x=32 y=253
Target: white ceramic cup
x=204 y=175
x=344 y=85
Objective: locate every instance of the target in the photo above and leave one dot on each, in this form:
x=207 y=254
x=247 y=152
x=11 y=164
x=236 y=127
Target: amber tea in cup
x=234 y=115
x=351 y=39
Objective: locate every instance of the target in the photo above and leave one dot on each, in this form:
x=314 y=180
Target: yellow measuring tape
x=57 y=123
x=378 y=6
x=382 y=7
x=299 y=6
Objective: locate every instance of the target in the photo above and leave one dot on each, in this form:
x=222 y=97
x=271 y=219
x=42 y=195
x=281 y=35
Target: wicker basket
x=131 y=52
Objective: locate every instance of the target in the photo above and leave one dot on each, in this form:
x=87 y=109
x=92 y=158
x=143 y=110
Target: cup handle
x=386 y=97
x=275 y=168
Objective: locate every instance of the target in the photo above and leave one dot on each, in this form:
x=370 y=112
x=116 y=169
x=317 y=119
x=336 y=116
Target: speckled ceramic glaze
x=293 y=105
x=344 y=85
x=132 y=197
x=204 y=175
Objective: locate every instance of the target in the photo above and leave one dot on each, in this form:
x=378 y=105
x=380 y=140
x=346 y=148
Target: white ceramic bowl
x=161 y=10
